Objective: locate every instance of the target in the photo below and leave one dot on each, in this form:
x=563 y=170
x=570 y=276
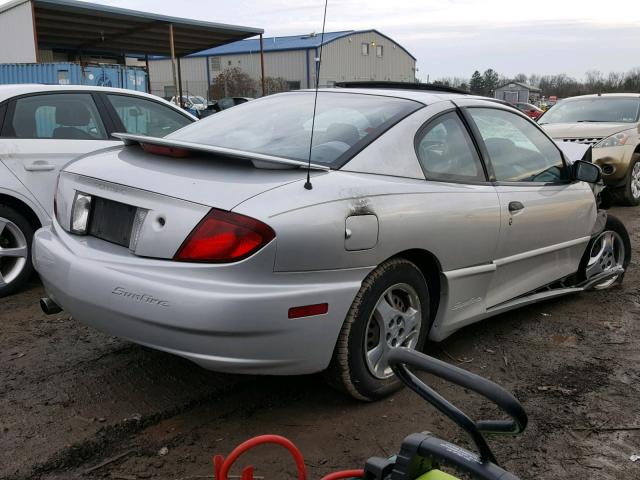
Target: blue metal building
x=347 y=56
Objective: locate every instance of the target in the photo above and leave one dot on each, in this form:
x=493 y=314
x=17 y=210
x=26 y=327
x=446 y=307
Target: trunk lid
x=148 y=203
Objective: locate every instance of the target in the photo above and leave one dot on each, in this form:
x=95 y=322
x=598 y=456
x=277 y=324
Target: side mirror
x=586 y=172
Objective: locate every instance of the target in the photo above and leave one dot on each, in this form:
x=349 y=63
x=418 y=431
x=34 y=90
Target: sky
x=451 y=37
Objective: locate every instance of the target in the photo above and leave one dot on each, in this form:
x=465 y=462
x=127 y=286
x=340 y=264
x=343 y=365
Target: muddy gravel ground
x=75 y=403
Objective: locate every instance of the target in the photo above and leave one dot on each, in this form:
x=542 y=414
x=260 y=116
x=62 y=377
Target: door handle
x=515 y=206
x=39 y=167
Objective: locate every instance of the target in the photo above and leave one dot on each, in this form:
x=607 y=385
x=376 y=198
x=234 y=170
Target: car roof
x=424 y=96
x=603 y=95
x=11 y=90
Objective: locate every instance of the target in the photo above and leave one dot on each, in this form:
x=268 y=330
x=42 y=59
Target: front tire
x=609 y=249
x=391 y=309
x=16 y=235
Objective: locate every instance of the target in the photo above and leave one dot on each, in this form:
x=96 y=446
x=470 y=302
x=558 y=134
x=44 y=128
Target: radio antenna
x=307 y=184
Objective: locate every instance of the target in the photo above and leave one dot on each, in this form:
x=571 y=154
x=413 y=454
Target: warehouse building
x=72 y=42
x=347 y=56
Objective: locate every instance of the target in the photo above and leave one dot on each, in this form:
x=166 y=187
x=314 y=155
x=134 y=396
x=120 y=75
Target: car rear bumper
x=231 y=318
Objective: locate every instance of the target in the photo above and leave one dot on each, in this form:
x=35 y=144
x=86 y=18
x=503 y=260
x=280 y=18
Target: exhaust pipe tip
x=49 y=307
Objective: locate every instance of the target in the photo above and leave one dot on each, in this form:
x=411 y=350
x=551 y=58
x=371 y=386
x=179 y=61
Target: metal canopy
x=86 y=27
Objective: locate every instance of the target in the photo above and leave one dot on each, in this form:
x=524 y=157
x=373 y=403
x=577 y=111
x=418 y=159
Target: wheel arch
x=431 y=269
x=22 y=208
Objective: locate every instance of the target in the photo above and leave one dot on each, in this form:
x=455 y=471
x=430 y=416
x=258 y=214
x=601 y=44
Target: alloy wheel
x=635 y=180
x=14 y=251
x=394 y=322
x=607 y=253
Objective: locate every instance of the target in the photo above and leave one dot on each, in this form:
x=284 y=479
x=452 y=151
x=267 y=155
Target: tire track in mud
x=67 y=391
x=106 y=440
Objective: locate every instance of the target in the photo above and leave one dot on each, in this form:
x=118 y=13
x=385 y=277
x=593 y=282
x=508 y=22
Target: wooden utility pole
x=146 y=62
x=262 y=66
x=173 y=64
x=180 y=84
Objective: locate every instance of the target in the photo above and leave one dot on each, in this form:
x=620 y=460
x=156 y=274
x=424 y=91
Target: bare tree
x=276 y=85
x=632 y=81
x=594 y=81
x=614 y=82
x=233 y=82
x=521 y=78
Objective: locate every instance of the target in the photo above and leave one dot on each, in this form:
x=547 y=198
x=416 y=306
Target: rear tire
x=391 y=309
x=16 y=236
x=629 y=194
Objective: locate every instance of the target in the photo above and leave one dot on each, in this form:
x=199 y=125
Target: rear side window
x=145 y=117
x=446 y=152
x=518 y=150
x=64 y=116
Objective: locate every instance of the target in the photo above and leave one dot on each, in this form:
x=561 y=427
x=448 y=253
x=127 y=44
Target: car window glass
x=518 y=150
x=595 y=109
x=70 y=116
x=280 y=125
x=446 y=152
x=3 y=109
x=146 y=117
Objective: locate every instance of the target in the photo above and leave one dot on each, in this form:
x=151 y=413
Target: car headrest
x=342 y=132
x=500 y=146
x=73 y=114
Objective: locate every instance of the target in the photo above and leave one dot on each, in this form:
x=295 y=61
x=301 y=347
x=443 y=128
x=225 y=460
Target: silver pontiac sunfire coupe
x=427 y=211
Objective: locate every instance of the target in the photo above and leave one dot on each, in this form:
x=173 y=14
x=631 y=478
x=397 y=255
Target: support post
x=180 y=84
x=146 y=61
x=35 y=32
x=262 y=66
x=173 y=63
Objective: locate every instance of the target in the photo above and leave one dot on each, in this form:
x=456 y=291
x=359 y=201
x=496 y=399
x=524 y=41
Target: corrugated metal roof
x=271 y=44
x=293 y=42
x=523 y=85
x=89 y=27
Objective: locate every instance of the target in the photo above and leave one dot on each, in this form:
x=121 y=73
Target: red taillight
x=224 y=237
x=166 y=150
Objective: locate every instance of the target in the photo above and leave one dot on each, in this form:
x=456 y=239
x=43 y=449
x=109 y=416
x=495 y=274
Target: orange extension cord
x=222 y=465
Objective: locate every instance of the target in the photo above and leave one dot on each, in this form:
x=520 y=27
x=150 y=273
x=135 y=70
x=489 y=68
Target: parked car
x=42 y=128
x=529 y=110
x=223 y=104
x=424 y=212
x=191 y=103
x=610 y=123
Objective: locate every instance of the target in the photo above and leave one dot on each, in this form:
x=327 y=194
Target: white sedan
x=44 y=127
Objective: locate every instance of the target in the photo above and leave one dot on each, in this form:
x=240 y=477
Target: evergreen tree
x=476 y=85
x=490 y=80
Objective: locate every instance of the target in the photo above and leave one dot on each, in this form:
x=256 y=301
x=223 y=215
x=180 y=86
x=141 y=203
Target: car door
x=43 y=132
x=546 y=218
x=466 y=224
x=142 y=116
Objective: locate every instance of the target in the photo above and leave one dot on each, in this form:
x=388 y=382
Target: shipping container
x=117 y=76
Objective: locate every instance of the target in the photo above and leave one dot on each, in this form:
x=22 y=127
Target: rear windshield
x=616 y=110
x=280 y=125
